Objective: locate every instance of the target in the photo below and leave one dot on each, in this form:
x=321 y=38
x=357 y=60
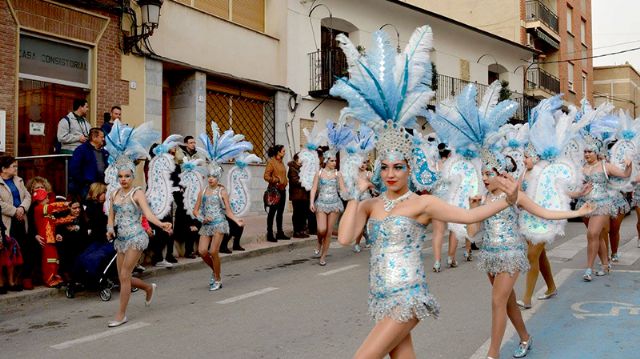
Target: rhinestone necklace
x=389 y=204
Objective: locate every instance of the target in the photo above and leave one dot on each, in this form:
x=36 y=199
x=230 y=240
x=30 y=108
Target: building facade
x=559 y=30
x=618 y=84
x=262 y=68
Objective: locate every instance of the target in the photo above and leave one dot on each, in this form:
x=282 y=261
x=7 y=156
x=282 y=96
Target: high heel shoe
x=603 y=271
x=451 y=262
x=587 y=275
x=548 y=296
x=524 y=348
x=147 y=303
x=437 y=267
x=522 y=305
x=468 y=256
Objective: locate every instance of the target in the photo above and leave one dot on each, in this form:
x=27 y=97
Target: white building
x=264 y=67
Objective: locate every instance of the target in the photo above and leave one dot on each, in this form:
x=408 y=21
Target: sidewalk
x=253 y=240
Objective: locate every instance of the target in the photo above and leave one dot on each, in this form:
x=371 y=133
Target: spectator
x=110 y=118
x=10 y=257
x=15 y=201
x=188 y=151
x=73 y=129
x=299 y=199
x=95 y=212
x=32 y=250
x=88 y=163
x=72 y=240
x=235 y=232
x=276 y=176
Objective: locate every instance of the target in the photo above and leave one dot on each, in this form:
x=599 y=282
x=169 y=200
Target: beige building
x=560 y=31
x=618 y=84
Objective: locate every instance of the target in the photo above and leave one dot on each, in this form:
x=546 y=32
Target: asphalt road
x=284 y=305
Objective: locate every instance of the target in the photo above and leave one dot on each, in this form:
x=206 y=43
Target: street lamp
x=150 y=10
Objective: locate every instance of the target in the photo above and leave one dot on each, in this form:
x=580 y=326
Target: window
x=583 y=31
x=571 y=47
x=249 y=13
x=569 y=19
x=584 y=85
x=584 y=54
x=570 y=71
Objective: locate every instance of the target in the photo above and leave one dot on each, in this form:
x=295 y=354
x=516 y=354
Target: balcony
x=541 y=84
x=449 y=87
x=325 y=65
x=542 y=23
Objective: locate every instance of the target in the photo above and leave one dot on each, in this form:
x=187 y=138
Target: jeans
x=276 y=211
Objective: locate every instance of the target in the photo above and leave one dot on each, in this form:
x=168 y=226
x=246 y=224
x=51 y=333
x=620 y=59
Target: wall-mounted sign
x=3 y=131
x=36 y=128
x=52 y=61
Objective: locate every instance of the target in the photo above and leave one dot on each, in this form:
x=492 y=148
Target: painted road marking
x=559 y=279
x=247 y=295
x=583 y=310
x=93 y=337
x=566 y=251
x=629 y=253
x=338 y=270
x=607 y=309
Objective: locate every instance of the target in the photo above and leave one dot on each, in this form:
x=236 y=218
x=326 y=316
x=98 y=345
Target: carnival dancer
x=502 y=256
x=597 y=175
x=126 y=207
x=551 y=180
x=327 y=185
x=396 y=220
x=213 y=201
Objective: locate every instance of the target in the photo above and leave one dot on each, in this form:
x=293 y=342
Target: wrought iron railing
x=324 y=66
x=55 y=168
x=539 y=78
x=536 y=10
x=448 y=87
x=254 y=118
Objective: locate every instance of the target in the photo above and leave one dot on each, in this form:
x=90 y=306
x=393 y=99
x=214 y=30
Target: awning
x=548 y=39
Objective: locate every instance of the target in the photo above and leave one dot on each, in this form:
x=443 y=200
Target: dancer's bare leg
x=385 y=337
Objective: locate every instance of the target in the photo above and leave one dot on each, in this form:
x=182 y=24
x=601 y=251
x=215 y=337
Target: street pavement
x=284 y=305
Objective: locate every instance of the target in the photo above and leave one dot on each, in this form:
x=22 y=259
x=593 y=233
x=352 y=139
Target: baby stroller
x=95 y=269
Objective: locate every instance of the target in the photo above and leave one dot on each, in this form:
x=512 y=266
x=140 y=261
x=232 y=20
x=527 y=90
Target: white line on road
x=92 y=337
x=337 y=270
x=629 y=253
x=570 y=248
x=247 y=295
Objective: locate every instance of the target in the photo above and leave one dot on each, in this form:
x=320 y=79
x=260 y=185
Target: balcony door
x=334 y=62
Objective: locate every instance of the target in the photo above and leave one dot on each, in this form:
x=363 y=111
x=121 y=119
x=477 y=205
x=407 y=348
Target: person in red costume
x=46 y=227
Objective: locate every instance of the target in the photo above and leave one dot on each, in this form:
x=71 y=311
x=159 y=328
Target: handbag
x=271 y=196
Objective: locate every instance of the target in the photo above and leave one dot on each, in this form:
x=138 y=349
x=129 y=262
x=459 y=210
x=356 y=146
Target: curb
x=28 y=296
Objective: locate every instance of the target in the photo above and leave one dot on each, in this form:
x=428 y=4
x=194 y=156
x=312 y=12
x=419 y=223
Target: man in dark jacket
x=299 y=197
x=88 y=163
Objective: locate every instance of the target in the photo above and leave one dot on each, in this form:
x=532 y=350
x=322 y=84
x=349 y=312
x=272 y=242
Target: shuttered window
x=249 y=13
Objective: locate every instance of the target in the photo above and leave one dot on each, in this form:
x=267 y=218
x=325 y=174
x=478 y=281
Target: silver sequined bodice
x=128 y=221
x=328 y=198
x=397 y=282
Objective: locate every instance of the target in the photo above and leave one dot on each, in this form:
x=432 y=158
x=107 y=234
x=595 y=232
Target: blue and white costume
x=599 y=196
x=128 y=221
x=503 y=249
x=397 y=283
x=212 y=206
x=328 y=198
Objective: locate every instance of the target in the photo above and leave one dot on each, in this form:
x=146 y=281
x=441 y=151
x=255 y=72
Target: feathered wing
x=490 y=99
x=548 y=188
x=619 y=153
x=465 y=181
x=310 y=166
x=238 y=179
x=192 y=179
x=423 y=173
x=159 y=185
x=350 y=170
x=111 y=179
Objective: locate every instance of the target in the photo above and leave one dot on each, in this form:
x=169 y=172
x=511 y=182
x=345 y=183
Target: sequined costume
x=397 y=282
x=128 y=224
x=503 y=249
x=599 y=196
x=328 y=199
x=619 y=202
x=635 y=198
x=212 y=206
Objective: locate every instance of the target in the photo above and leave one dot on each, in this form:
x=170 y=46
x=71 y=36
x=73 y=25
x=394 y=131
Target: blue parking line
x=600 y=319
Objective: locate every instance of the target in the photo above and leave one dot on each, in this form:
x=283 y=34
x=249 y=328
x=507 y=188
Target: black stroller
x=95 y=269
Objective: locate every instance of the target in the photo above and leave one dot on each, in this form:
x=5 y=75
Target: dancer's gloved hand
x=507 y=184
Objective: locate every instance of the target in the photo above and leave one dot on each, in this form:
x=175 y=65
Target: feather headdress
x=220 y=148
x=339 y=135
x=552 y=129
x=126 y=144
x=386 y=91
x=309 y=155
x=596 y=125
x=473 y=129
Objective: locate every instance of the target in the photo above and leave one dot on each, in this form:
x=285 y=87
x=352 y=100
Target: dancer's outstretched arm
x=530 y=206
